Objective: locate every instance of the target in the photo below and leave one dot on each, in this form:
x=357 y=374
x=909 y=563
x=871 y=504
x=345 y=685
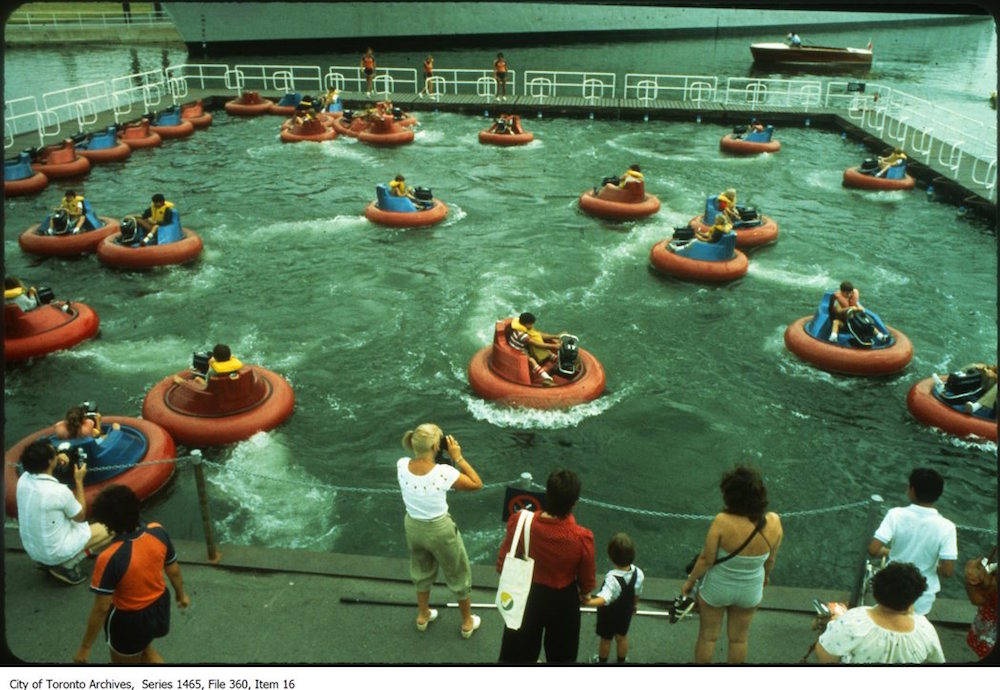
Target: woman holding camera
x=736 y=561
x=887 y=633
x=431 y=535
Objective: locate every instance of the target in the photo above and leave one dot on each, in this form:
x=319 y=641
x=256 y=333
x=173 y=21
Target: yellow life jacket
x=228 y=367
x=73 y=207
x=539 y=353
x=631 y=175
x=157 y=213
x=399 y=188
x=13 y=293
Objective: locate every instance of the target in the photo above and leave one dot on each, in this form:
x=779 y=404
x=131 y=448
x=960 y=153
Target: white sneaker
x=938 y=383
x=972 y=407
x=832 y=337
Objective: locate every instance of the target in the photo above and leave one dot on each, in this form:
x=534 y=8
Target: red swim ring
x=249 y=103
x=145 y=479
x=184 y=250
x=232 y=408
x=501 y=373
x=118 y=152
x=932 y=412
x=184 y=129
x=139 y=135
x=196 y=115
x=848 y=360
x=27 y=185
x=46 y=329
x=741 y=147
x=67 y=245
x=402 y=219
x=765 y=233
x=620 y=203
x=854 y=178
x=59 y=161
x=679 y=266
x=309 y=130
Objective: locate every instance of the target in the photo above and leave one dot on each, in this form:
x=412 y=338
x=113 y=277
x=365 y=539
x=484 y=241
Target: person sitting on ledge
x=221 y=363
x=896 y=157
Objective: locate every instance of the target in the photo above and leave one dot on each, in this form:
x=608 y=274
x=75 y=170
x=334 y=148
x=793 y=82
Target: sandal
x=422 y=627
x=476 y=622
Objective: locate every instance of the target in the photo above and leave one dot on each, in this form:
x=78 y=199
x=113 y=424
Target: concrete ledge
x=15 y=35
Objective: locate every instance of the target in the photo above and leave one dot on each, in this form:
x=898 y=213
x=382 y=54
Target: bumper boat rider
x=845 y=300
x=25 y=297
x=221 y=363
x=397 y=187
x=538 y=346
x=987 y=380
x=895 y=158
x=719 y=228
x=70 y=215
x=160 y=213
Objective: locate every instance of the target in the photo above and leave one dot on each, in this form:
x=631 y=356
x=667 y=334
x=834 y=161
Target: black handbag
x=758 y=528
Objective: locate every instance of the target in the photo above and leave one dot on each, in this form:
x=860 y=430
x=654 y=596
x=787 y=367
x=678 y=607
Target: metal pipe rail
x=49 y=20
x=676 y=87
x=550 y=83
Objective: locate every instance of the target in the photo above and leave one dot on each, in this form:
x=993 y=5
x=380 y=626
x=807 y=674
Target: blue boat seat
x=761 y=137
x=711 y=209
x=101 y=140
x=92 y=222
x=168 y=118
x=387 y=202
x=896 y=172
x=170 y=232
x=291 y=99
x=723 y=250
x=18 y=168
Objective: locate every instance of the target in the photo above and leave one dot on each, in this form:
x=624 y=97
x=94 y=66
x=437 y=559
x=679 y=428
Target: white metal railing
x=674 y=87
x=773 y=93
x=285 y=78
x=47 y=20
x=550 y=83
x=968 y=147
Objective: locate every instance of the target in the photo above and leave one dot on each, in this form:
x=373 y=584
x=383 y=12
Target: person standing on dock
x=368 y=65
x=131 y=601
x=500 y=74
x=793 y=40
x=428 y=74
x=918 y=534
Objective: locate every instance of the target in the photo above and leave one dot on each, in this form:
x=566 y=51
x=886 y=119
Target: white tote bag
x=515 y=578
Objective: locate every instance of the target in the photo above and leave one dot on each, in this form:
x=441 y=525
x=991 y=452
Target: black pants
x=552 y=613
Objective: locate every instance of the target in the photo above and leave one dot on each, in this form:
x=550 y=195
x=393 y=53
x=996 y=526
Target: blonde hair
x=422 y=440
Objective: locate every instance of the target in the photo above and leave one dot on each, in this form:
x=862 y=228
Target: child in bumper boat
x=221 y=363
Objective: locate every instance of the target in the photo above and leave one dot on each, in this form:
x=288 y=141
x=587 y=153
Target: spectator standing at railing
x=127 y=11
x=918 y=534
x=428 y=74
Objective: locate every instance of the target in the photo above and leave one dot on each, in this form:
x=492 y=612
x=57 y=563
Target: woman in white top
x=431 y=534
x=887 y=633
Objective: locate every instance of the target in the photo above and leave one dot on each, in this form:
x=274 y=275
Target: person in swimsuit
x=500 y=74
x=734 y=588
x=368 y=65
x=428 y=73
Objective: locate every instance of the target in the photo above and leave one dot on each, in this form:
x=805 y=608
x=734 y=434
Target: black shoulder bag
x=758 y=528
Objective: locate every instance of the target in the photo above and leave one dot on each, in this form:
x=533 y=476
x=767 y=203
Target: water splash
x=271 y=500
x=527 y=418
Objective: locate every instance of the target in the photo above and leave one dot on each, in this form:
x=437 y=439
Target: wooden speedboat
x=780 y=53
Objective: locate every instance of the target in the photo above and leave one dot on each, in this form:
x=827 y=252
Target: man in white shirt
x=52 y=520
x=918 y=534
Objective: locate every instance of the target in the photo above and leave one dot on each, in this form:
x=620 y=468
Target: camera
x=820 y=608
x=442 y=457
x=77 y=456
x=90 y=410
x=681 y=607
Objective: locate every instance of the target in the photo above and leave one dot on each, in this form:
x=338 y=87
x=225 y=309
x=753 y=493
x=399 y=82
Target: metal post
x=874 y=514
x=206 y=519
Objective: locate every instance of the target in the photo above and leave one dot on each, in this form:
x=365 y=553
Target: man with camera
x=52 y=519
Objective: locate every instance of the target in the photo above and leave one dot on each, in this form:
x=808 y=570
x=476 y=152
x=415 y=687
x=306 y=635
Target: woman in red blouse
x=562 y=579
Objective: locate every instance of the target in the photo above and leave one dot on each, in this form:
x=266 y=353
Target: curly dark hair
x=117 y=507
x=898 y=585
x=743 y=492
